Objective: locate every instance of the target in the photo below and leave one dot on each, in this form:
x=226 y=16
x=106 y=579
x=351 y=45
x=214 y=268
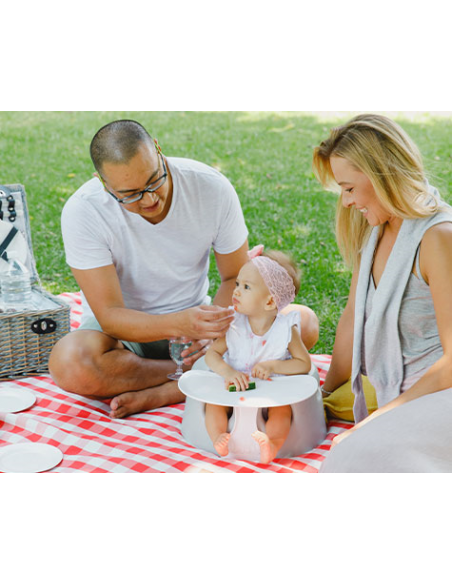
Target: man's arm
x=229 y=266
x=103 y=292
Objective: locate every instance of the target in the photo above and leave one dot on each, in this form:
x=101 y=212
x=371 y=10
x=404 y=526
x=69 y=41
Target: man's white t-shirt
x=162 y=268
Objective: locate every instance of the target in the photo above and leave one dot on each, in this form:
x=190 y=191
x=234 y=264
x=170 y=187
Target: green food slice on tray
x=252 y=385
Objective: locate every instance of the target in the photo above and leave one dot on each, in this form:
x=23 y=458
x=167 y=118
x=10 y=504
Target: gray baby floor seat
x=302 y=392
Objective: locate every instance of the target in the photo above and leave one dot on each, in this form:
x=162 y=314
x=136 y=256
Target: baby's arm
x=214 y=360
x=299 y=364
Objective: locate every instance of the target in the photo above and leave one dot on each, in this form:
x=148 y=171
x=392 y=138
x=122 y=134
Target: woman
x=396 y=234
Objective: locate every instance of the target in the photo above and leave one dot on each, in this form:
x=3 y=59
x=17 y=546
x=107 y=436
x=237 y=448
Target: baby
x=261 y=342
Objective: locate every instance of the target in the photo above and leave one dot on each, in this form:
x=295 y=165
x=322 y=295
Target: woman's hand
x=342 y=436
x=375 y=414
x=327 y=393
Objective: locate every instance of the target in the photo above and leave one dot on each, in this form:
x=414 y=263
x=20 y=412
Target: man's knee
x=309 y=323
x=72 y=363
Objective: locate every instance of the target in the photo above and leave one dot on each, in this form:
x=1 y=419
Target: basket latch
x=44 y=326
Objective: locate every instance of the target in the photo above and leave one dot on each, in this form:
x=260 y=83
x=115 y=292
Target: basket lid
x=15 y=227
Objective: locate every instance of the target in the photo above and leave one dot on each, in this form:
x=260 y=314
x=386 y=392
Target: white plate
x=14 y=400
x=29 y=457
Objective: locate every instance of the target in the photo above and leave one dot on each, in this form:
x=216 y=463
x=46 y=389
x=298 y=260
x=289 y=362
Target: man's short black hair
x=118 y=142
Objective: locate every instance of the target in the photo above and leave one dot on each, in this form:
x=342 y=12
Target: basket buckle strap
x=6 y=242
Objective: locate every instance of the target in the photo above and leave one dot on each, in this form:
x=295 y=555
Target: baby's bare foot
x=221 y=444
x=268 y=452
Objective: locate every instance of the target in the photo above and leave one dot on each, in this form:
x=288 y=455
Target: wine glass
x=176 y=346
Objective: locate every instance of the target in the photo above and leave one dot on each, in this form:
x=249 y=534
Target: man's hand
x=196 y=350
x=205 y=322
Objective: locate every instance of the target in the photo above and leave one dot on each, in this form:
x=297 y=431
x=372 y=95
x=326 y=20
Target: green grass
x=266 y=155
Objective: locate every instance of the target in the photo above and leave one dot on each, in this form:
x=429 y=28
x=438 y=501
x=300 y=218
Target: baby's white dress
x=245 y=349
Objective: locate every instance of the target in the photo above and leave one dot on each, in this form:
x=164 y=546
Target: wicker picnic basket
x=26 y=337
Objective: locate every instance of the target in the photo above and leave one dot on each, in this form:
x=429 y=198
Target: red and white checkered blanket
x=149 y=442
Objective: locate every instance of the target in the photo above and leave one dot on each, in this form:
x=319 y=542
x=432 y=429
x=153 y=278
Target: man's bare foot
x=221 y=444
x=133 y=402
x=268 y=449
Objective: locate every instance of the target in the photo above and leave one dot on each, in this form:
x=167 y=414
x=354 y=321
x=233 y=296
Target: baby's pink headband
x=277 y=280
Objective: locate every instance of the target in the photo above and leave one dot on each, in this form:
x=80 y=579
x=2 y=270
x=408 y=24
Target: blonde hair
x=381 y=149
x=286 y=261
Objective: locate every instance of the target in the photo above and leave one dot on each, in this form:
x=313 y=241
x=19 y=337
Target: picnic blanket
x=148 y=442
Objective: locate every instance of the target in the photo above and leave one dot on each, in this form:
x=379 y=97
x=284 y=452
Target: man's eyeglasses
x=151 y=188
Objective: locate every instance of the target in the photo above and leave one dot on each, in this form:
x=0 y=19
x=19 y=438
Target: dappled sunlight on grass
x=301 y=230
x=419 y=117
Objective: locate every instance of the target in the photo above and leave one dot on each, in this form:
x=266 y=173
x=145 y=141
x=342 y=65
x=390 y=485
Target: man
x=138 y=239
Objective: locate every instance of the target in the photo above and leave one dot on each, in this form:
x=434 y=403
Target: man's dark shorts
x=153 y=350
